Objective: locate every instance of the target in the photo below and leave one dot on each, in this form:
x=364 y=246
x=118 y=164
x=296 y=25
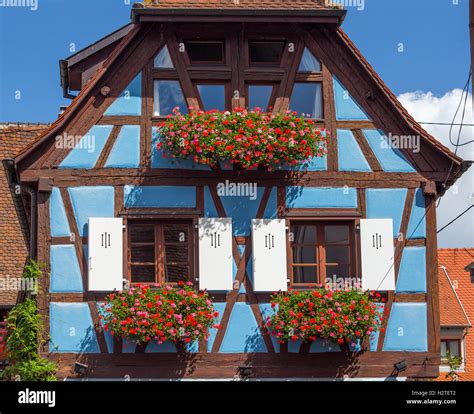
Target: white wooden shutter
x=105 y=254
x=269 y=255
x=215 y=253
x=376 y=236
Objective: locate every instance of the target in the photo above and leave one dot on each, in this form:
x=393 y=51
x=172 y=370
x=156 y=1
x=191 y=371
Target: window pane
x=142 y=234
x=443 y=349
x=205 y=52
x=259 y=96
x=163 y=60
x=338 y=271
x=337 y=254
x=304 y=274
x=304 y=254
x=212 y=96
x=168 y=95
x=266 y=51
x=454 y=348
x=143 y=254
x=304 y=234
x=176 y=233
x=143 y=274
x=336 y=234
x=176 y=273
x=309 y=63
x=176 y=254
x=307 y=99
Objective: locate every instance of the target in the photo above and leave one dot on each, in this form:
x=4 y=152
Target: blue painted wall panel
x=130 y=100
x=314 y=197
x=87 y=151
x=109 y=339
x=158 y=160
x=346 y=107
x=209 y=206
x=374 y=337
x=386 y=203
x=267 y=312
x=126 y=150
x=243 y=334
x=417 y=225
x=57 y=214
x=412 y=273
x=65 y=271
x=407 y=328
x=91 y=202
x=391 y=159
x=71 y=328
x=159 y=196
x=350 y=156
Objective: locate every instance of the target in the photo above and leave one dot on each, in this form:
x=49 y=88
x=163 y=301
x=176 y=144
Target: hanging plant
x=162 y=313
x=246 y=138
x=341 y=316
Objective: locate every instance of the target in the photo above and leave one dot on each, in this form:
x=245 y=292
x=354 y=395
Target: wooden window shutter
x=376 y=237
x=270 y=268
x=215 y=254
x=105 y=254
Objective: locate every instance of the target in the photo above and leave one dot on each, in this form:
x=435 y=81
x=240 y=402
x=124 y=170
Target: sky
x=420 y=48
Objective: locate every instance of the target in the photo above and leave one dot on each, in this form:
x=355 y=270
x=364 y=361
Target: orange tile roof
x=240 y=4
x=456 y=289
x=13 y=223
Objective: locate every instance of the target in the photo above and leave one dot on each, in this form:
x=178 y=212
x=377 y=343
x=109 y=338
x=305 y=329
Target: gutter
x=13 y=181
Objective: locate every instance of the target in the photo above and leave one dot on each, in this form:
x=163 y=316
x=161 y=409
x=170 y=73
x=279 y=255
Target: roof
x=456 y=291
x=13 y=223
x=239 y=4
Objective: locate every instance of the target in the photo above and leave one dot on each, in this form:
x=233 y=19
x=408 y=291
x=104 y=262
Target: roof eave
x=334 y=16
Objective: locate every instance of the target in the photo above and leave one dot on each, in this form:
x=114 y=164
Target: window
x=259 y=96
x=160 y=252
x=453 y=346
x=212 y=96
x=307 y=99
x=167 y=96
x=321 y=252
x=205 y=52
x=163 y=60
x=266 y=52
x=309 y=63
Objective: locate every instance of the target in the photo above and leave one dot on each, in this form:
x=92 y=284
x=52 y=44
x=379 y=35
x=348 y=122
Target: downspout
x=14 y=182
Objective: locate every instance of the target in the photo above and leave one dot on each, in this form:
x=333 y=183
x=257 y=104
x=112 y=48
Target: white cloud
x=426 y=107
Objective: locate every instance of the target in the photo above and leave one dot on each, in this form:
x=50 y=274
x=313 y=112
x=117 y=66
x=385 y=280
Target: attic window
x=307 y=99
x=266 y=52
x=309 y=63
x=204 y=52
x=163 y=60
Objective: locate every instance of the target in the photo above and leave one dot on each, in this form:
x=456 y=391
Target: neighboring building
x=14 y=218
x=221 y=54
x=456 y=297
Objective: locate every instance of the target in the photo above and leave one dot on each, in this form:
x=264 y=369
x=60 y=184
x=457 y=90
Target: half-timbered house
x=365 y=210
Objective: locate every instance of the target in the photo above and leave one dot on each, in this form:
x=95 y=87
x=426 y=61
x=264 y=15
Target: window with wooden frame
x=266 y=52
x=321 y=252
x=160 y=252
x=307 y=98
x=451 y=347
x=205 y=52
x=214 y=95
x=260 y=95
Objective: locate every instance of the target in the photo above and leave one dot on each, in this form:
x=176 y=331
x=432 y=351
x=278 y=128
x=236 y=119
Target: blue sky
x=434 y=34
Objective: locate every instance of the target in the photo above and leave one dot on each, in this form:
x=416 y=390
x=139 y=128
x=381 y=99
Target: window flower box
x=249 y=139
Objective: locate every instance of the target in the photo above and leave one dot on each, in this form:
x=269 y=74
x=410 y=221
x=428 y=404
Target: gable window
x=212 y=96
x=160 y=252
x=321 y=252
x=307 y=99
x=204 y=51
x=168 y=95
x=163 y=59
x=266 y=52
x=450 y=347
x=259 y=96
x=309 y=63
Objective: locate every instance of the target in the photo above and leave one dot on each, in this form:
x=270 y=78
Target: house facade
x=112 y=208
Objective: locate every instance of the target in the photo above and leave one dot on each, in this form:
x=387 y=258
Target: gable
x=146 y=78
